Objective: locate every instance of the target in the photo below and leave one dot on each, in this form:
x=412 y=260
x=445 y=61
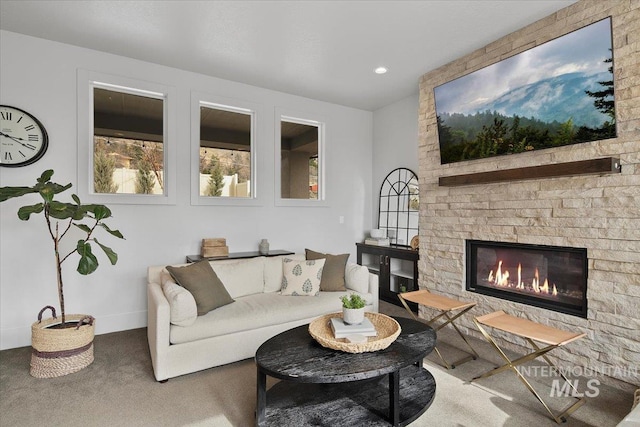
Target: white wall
x=395 y=142
x=40 y=76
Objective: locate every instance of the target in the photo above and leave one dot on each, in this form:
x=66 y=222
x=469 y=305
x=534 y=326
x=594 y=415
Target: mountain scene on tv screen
x=558 y=93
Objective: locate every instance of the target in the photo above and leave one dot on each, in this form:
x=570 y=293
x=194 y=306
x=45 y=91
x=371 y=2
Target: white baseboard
x=21 y=337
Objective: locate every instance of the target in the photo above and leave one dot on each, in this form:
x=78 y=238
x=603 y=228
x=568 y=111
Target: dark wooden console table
x=325 y=387
x=241 y=255
x=386 y=261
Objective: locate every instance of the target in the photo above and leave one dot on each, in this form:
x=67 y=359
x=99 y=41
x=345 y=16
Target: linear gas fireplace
x=551 y=277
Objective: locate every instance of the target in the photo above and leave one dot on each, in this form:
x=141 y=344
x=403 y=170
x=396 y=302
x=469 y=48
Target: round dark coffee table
x=325 y=387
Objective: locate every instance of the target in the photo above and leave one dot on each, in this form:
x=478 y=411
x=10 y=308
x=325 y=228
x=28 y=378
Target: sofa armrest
x=374 y=290
x=158 y=328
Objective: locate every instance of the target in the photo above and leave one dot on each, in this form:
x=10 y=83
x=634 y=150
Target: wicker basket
x=61 y=351
x=387 y=328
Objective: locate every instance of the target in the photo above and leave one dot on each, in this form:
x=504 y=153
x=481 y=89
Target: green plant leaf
x=76 y=199
x=50 y=189
x=113 y=257
x=88 y=262
x=80 y=213
x=99 y=211
x=25 y=212
x=353 y=301
x=60 y=210
x=116 y=233
x=7 y=193
x=83 y=227
x=46 y=176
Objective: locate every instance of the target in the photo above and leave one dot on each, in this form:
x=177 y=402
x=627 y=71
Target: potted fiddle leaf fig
x=65 y=345
x=353 y=309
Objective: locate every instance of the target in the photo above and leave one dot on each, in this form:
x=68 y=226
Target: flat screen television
x=557 y=93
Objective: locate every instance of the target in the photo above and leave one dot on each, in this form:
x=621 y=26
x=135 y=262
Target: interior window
x=225 y=151
x=300 y=159
x=128 y=141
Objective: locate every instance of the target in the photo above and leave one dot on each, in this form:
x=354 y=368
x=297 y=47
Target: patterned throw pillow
x=301 y=277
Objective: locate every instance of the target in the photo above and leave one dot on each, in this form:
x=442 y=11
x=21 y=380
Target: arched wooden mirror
x=399 y=206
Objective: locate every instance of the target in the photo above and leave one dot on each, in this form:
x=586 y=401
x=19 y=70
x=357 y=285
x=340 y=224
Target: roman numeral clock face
x=23 y=139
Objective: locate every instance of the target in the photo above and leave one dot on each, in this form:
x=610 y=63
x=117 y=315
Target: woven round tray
x=386 y=327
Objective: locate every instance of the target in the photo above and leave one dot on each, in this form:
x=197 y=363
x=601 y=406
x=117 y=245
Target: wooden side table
x=446 y=307
x=530 y=331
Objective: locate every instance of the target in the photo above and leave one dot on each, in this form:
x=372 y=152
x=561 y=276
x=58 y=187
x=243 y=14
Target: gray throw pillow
x=333 y=271
x=203 y=283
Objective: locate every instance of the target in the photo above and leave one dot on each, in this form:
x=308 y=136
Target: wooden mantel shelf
x=582 y=167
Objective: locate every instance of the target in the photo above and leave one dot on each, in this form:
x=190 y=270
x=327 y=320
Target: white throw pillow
x=241 y=278
x=301 y=277
x=356 y=278
x=182 y=305
x=273 y=271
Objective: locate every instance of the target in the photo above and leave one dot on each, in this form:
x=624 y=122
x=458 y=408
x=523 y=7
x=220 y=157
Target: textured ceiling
x=325 y=50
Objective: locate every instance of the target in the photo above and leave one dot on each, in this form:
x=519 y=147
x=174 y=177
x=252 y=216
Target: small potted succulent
x=352 y=309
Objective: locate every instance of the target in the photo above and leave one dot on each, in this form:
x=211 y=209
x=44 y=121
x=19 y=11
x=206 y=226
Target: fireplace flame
x=545 y=288
x=500 y=277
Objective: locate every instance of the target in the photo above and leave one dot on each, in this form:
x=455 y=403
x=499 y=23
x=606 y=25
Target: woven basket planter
x=61 y=351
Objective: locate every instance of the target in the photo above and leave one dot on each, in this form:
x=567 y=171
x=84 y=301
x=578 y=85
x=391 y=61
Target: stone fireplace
x=551 y=277
x=597 y=212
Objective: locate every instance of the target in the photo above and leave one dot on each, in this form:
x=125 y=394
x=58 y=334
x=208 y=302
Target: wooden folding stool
x=530 y=331
x=446 y=306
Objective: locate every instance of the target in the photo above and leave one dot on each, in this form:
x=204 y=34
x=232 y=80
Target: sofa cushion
x=357 y=278
x=204 y=285
x=258 y=311
x=301 y=277
x=165 y=276
x=243 y=277
x=182 y=305
x=273 y=271
x=333 y=271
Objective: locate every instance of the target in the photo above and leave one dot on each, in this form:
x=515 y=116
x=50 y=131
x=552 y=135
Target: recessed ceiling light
x=381 y=70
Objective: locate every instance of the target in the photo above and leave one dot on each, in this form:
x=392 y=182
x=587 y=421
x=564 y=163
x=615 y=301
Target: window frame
x=308 y=119
x=199 y=99
x=86 y=82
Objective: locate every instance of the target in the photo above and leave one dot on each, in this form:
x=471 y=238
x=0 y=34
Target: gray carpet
x=118 y=389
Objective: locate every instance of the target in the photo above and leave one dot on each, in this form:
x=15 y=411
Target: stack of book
x=214 y=247
x=343 y=330
x=376 y=242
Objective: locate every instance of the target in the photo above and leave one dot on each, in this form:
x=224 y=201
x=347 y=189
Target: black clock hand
x=16 y=139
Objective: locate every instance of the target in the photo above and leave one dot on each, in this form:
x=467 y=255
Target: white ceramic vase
x=353 y=316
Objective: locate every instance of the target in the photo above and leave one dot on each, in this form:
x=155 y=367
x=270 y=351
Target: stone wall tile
x=627 y=289
x=620 y=320
x=621 y=267
x=616 y=255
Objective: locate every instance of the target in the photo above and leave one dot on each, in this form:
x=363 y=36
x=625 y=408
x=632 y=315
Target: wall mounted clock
x=23 y=139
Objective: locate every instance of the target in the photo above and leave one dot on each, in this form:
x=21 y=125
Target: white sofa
x=235 y=331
